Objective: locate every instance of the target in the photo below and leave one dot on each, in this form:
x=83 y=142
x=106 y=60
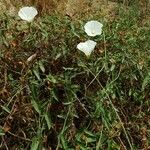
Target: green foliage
x=62 y=100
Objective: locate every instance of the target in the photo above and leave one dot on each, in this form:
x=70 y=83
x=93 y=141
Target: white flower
x=87 y=47
x=93 y=28
x=27 y=13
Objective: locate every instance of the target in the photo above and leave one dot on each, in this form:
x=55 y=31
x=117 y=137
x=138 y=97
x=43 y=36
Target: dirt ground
x=71 y=8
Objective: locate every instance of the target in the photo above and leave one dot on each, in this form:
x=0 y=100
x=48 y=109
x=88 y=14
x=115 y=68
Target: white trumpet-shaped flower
x=93 y=28
x=87 y=47
x=27 y=13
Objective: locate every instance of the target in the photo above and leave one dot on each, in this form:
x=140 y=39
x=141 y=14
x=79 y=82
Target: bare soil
x=71 y=8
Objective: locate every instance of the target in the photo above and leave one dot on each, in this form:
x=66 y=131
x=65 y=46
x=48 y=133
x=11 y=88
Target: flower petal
x=87 y=47
x=93 y=28
x=27 y=13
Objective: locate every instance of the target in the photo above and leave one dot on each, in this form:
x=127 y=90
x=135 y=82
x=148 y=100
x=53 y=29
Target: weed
x=53 y=97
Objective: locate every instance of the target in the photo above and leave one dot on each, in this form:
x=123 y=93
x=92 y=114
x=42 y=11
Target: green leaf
x=89 y=133
x=112 y=67
x=73 y=30
x=51 y=79
x=1 y=131
x=35 y=143
x=145 y=82
x=6 y=109
x=90 y=140
x=64 y=142
x=54 y=95
x=36 y=106
x=36 y=72
x=41 y=66
x=48 y=120
x=34 y=99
